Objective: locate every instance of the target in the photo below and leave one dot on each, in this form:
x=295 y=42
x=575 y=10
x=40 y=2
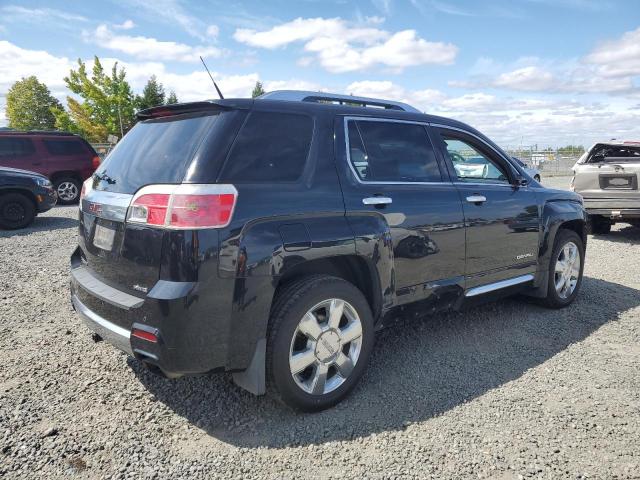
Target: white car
x=532 y=171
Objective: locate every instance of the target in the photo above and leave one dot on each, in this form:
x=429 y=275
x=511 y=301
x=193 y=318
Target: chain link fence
x=549 y=162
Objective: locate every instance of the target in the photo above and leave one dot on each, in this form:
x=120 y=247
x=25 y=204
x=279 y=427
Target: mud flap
x=253 y=378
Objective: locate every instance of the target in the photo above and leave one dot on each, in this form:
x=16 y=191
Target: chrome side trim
x=490 y=287
x=115 y=335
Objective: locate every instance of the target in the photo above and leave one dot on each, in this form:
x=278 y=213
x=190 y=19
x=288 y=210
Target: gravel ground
x=507 y=390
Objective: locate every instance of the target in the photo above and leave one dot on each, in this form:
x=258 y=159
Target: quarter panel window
x=471 y=164
x=392 y=152
x=271 y=147
x=15 y=147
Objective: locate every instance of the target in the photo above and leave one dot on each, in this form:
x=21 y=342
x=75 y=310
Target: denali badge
x=524 y=255
x=140 y=288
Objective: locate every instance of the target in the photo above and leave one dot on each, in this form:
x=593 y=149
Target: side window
x=392 y=152
x=470 y=164
x=64 y=147
x=15 y=147
x=271 y=147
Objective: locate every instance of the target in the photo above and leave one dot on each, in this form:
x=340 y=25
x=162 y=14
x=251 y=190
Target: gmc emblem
x=95 y=208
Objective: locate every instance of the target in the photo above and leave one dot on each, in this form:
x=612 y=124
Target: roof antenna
x=214 y=82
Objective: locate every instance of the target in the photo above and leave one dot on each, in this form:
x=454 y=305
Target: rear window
x=271 y=147
x=154 y=151
x=615 y=153
x=15 y=147
x=64 y=147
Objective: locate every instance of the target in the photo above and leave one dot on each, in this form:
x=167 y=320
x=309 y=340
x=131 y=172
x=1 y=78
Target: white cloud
x=527 y=78
x=619 y=57
x=126 y=25
x=148 y=48
x=213 y=31
x=342 y=47
x=32 y=15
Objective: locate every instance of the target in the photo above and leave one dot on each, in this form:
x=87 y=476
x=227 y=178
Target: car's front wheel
x=320 y=340
x=565 y=269
x=16 y=211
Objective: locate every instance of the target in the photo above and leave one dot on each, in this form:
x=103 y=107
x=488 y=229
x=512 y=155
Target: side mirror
x=520 y=181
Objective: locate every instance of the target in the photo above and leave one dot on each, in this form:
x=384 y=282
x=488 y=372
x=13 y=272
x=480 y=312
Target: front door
x=502 y=219
x=390 y=175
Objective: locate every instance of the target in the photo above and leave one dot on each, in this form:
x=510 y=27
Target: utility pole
x=120 y=118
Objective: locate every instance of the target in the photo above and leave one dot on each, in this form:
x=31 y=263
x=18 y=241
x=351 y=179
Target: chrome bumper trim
x=110 y=332
x=490 y=287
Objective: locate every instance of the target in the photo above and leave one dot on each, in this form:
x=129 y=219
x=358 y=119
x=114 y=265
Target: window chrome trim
x=346 y=119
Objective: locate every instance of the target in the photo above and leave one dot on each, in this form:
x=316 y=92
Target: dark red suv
x=65 y=158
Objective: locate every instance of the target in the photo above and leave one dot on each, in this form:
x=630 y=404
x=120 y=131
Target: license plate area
x=103 y=237
x=618 y=182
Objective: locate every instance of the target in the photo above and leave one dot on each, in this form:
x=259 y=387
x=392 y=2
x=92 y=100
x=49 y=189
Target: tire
x=304 y=306
x=559 y=297
x=16 y=211
x=599 y=225
x=68 y=190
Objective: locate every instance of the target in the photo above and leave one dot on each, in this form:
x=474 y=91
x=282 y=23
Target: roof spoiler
x=179 y=109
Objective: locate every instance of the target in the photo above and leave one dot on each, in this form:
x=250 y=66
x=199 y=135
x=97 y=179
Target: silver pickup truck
x=607 y=178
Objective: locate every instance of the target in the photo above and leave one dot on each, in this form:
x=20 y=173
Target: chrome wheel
x=567 y=270
x=325 y=346
x=67 y=191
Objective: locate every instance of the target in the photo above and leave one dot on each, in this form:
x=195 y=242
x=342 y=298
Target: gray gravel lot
x=506 y=390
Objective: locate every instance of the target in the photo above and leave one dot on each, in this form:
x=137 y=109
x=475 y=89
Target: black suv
x=23 y=195
x=271 y=237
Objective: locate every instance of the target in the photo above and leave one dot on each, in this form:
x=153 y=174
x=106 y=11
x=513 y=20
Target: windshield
x=154 y=151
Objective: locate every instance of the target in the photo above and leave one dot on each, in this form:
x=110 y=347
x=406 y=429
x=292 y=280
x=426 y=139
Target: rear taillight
x=183 y=206
x=95 y=162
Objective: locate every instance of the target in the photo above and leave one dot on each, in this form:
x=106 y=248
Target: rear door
x=502 y=220
x=390 y=172
x=18 y=152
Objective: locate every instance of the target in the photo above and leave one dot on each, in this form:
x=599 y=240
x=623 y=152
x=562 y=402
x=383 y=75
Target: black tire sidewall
x=27 y=205
x=286 y=324
x=562 y=238
x=75 y=181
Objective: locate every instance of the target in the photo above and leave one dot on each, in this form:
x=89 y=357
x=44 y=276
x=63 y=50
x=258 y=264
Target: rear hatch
x=168 y=147
x=609 y=173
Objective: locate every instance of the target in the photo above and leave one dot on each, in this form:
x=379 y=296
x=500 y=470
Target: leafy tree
x=172 y=98
x=571 y=150
x=257 y=90
x=29 y=104
x=107 y=106
x=152 y=94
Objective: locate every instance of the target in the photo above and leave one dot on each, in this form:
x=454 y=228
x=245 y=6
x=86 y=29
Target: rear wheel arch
x=351 y=268
x=66 y=174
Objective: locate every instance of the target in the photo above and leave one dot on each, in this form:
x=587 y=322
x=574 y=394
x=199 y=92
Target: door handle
x=377 y=201
x=476 y=199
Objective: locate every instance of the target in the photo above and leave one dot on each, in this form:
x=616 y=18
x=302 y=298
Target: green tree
x=257 y=90
x=571 y=150
x=107 y=102
x=171 y=99
x=152 y=94
x=29 y=104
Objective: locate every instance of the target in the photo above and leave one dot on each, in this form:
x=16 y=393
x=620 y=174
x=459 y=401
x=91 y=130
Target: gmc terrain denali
x=271 y=237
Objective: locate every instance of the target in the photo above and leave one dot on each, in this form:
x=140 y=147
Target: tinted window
x=15 y=147
x=64 y=147
x=470 y=164
x=154 y=151
x=392 y=152
x=271 y=147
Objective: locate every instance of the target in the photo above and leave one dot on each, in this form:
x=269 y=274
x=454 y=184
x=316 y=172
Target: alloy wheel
x=67 y=191
x=567 y=270
x=325 y=346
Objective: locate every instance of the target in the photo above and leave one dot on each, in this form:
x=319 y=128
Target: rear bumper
x=613 y=207
x=190 y=341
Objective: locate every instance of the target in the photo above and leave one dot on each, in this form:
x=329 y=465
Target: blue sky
x=546 y=72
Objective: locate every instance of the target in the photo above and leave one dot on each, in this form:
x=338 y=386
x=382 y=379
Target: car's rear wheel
x=565 y=269
x=320 y=340
x=68 y=190
x=599 y=225
x=16 y=211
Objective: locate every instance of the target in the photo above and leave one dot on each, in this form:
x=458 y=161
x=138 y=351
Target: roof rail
x=321 y=97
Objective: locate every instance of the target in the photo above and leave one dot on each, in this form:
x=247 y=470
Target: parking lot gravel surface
x=505 y=390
